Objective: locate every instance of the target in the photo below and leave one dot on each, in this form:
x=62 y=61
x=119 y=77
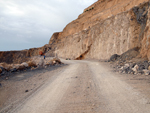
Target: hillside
x=105 y=28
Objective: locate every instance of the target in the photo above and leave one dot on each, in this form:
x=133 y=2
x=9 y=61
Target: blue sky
x=26 y=24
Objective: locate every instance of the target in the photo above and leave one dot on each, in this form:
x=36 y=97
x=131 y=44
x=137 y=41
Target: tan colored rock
x=56 y=60
x=6 y=66
x=50 y=62
x=149 y=68
x=33 y=68
x=40 y=62
x=25 y=64
x=101 y=32
x=145 y=51
x=31 y=64
x=146 y=72
x=16 y=66
x=21 y=67
x=135 y=69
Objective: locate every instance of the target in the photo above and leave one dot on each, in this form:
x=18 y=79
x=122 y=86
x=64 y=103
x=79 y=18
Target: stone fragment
x=25 y=64
x=141 y=67
x=56 y=61
x=132 y=65
x=146 y=64
x=135 y=69
x=146 y=72
x=6 y=78
x=126 y=65
x=33 y=68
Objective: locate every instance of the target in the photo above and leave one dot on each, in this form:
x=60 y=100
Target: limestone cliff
x=107 y=27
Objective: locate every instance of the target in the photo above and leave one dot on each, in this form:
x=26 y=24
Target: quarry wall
x=105 y=28
x=113 y=35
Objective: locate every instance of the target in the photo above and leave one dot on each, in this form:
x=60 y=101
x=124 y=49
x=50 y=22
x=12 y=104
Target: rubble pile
x=34 y=63
x=142 y=67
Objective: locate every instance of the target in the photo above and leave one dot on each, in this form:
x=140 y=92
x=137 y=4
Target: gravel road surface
x=85 y=87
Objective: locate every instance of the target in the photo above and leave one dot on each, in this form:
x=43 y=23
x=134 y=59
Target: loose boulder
x=135 y=69
x=56 y=61
x=25 y=64
x=114 y=57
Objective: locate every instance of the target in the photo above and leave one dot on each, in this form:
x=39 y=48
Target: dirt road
x=85 y=87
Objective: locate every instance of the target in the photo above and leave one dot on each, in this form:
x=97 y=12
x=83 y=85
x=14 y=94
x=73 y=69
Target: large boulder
x=53 y=61
x=114 y=57
x=56 y=61
x=130 y=54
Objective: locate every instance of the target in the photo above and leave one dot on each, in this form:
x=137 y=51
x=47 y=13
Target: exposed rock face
x=107 y=27
x=145 y=51
x=13 y=56
x=22 y=56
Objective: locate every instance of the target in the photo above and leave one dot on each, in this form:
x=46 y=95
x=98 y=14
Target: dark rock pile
x=124 y=63
x=142 y=67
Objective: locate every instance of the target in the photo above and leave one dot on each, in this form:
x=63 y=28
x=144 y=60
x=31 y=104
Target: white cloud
x=30 y=23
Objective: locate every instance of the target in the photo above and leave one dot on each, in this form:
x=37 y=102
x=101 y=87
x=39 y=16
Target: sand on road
x=85 y=87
